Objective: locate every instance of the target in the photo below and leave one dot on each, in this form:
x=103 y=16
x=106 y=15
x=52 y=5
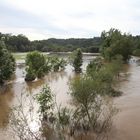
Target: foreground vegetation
x=91 y=112
x=7 y=63
x=92 y=109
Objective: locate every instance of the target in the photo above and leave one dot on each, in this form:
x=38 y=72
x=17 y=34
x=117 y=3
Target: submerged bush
x=30 y=75
x=37 y=65
x=76 y=60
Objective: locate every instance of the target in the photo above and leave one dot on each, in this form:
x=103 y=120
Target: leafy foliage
x=21 y=43
x=36 y=65
x=105 y=74
x=136 y=52
x=45 y=100
x=7 y=63
x=57 y=63
x=76 y=60
x=116 y=43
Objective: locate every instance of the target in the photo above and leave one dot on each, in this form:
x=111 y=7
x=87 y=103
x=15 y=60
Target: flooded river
x=126 y=125
x=11 y=91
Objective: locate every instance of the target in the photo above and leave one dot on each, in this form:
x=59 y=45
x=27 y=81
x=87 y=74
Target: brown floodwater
x=11 y=92
x=126 y=125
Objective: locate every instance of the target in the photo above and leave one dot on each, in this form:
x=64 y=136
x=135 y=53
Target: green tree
x=57 y=63
x=116 y=43
x=76 y=60
x=136 y=52
x=89 y=97
x=46 y=101
x=36 y=66
x=30 y=74
x=7 y=63
x=95 y=65
x=106 y=74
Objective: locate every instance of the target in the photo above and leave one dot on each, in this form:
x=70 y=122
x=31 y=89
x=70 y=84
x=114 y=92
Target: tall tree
x=76 y=60
x=7 y=63
x=35 y=65
x=116 y=43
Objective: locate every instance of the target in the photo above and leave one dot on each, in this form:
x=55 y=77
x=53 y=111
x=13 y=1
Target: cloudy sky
x=41 y=19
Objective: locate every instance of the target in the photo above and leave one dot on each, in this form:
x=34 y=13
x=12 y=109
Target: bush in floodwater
x=45 y=100
x=94 y=108
x=30 y=75
x=89 y=113
x=106 y=74
x=57 y=63
x=76 y=60
x=36 y=66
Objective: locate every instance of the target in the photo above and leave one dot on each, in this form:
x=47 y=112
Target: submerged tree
x=94 y=109
x=57 y=63
x=106 y=74
x=7 y=63
x=35 y=66
x=76 y=60
x=46 y=102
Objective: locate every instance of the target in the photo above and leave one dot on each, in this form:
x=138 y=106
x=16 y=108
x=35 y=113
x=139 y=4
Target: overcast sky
x=41 y=19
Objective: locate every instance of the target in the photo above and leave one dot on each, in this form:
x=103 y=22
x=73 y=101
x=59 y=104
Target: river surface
x=11 y=92
x=126 y=125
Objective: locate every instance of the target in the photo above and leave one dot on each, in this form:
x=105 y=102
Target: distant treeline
x=20 y=43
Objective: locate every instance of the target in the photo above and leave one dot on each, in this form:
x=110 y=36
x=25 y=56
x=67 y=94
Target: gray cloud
x=57 y=18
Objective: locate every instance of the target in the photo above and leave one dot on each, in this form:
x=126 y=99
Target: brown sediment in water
x=126 y=124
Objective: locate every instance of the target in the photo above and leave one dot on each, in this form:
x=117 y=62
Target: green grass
x=19 y=56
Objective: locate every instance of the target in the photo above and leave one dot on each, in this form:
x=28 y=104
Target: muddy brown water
x=126 y=125
x=127 y=122
x=9 y=93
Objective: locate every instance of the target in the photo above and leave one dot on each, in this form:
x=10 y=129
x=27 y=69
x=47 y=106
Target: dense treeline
x=60 y=45
x=21 y=43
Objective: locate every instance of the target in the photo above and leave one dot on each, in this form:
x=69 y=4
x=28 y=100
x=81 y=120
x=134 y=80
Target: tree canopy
x=20 y=43
x=7 y=63
x=116 y=43
x=76 y=60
